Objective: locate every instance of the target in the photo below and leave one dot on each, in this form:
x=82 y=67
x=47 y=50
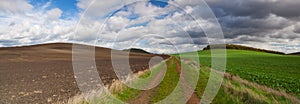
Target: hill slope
x=137 y=50
x=297 y=53
x=240 y=47
x=44 y=73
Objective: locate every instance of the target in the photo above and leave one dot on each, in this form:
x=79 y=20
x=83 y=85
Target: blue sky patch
x=144 y=24
x=68 y=7
x=159 y=3
x=163 y=16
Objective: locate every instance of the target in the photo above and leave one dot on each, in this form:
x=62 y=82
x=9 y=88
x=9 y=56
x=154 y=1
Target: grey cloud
x=236 y=26
x=286 y=8
x=258 y=8
x=270 y=22
x=200 y=41
x=290 y=36
x=8 y=42
x=183 y=41
x=244 y=38
x=297 y=28
x=12 y=24
x=194 y=34
x=256 y=18
x=253 y=8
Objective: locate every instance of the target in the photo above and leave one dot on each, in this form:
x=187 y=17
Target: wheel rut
x=144 y=97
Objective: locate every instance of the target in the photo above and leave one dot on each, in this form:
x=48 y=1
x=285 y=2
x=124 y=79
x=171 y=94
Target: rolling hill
x=297 y=53
x=44 y=73
x=240 y=47
x=136 y=50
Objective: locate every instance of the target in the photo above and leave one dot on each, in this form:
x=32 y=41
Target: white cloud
x=118 y=35
x=116 y=23
x=145 y=9
x=54 y=14
x=99 y=8
x=34 y=26
x=14 y=7
x=22 y=25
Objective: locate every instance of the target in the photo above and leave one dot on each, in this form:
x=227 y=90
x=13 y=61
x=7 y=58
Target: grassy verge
x=236 y=90
x=168 y=84
x=128 y=93
x=202 y=82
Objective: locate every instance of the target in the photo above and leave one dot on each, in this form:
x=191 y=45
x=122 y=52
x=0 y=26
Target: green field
x=251 y=78
x=281 y=72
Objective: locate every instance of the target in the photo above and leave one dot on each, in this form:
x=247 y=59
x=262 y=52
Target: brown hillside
x=44 y=74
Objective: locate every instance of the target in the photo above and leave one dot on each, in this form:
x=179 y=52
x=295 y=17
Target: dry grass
x=242 y=92
x=260 y=87
x=103 y=94
x=118 y=85
x=86 y=97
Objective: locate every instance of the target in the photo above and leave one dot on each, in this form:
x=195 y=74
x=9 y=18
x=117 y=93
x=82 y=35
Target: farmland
x=251 y=79
x=280 y=72
x=44 y=74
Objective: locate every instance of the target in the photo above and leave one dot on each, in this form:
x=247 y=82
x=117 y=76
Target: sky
x=165 y=26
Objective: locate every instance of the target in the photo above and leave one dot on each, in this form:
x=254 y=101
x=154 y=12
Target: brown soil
x=44 y=74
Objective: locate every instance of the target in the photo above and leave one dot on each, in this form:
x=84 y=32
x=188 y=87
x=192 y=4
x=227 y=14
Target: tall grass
x=116 y=92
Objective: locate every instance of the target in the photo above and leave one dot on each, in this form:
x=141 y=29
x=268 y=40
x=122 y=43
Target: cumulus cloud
x=297 y=28
x=129 y=25
x=54 y=14
x=257 y=8
x=243 y=22
x=32 y=26
x=99 y=8
x=167 y=29
x=14 y=7
x=257 y=22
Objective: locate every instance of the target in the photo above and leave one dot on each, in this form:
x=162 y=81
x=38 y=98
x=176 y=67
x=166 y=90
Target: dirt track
x=43 y=73
x=193 y=99
x=144 y=96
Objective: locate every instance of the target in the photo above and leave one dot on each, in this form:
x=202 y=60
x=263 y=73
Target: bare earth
x=44 y=74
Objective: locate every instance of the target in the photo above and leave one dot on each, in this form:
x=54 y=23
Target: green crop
x=281 y=72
